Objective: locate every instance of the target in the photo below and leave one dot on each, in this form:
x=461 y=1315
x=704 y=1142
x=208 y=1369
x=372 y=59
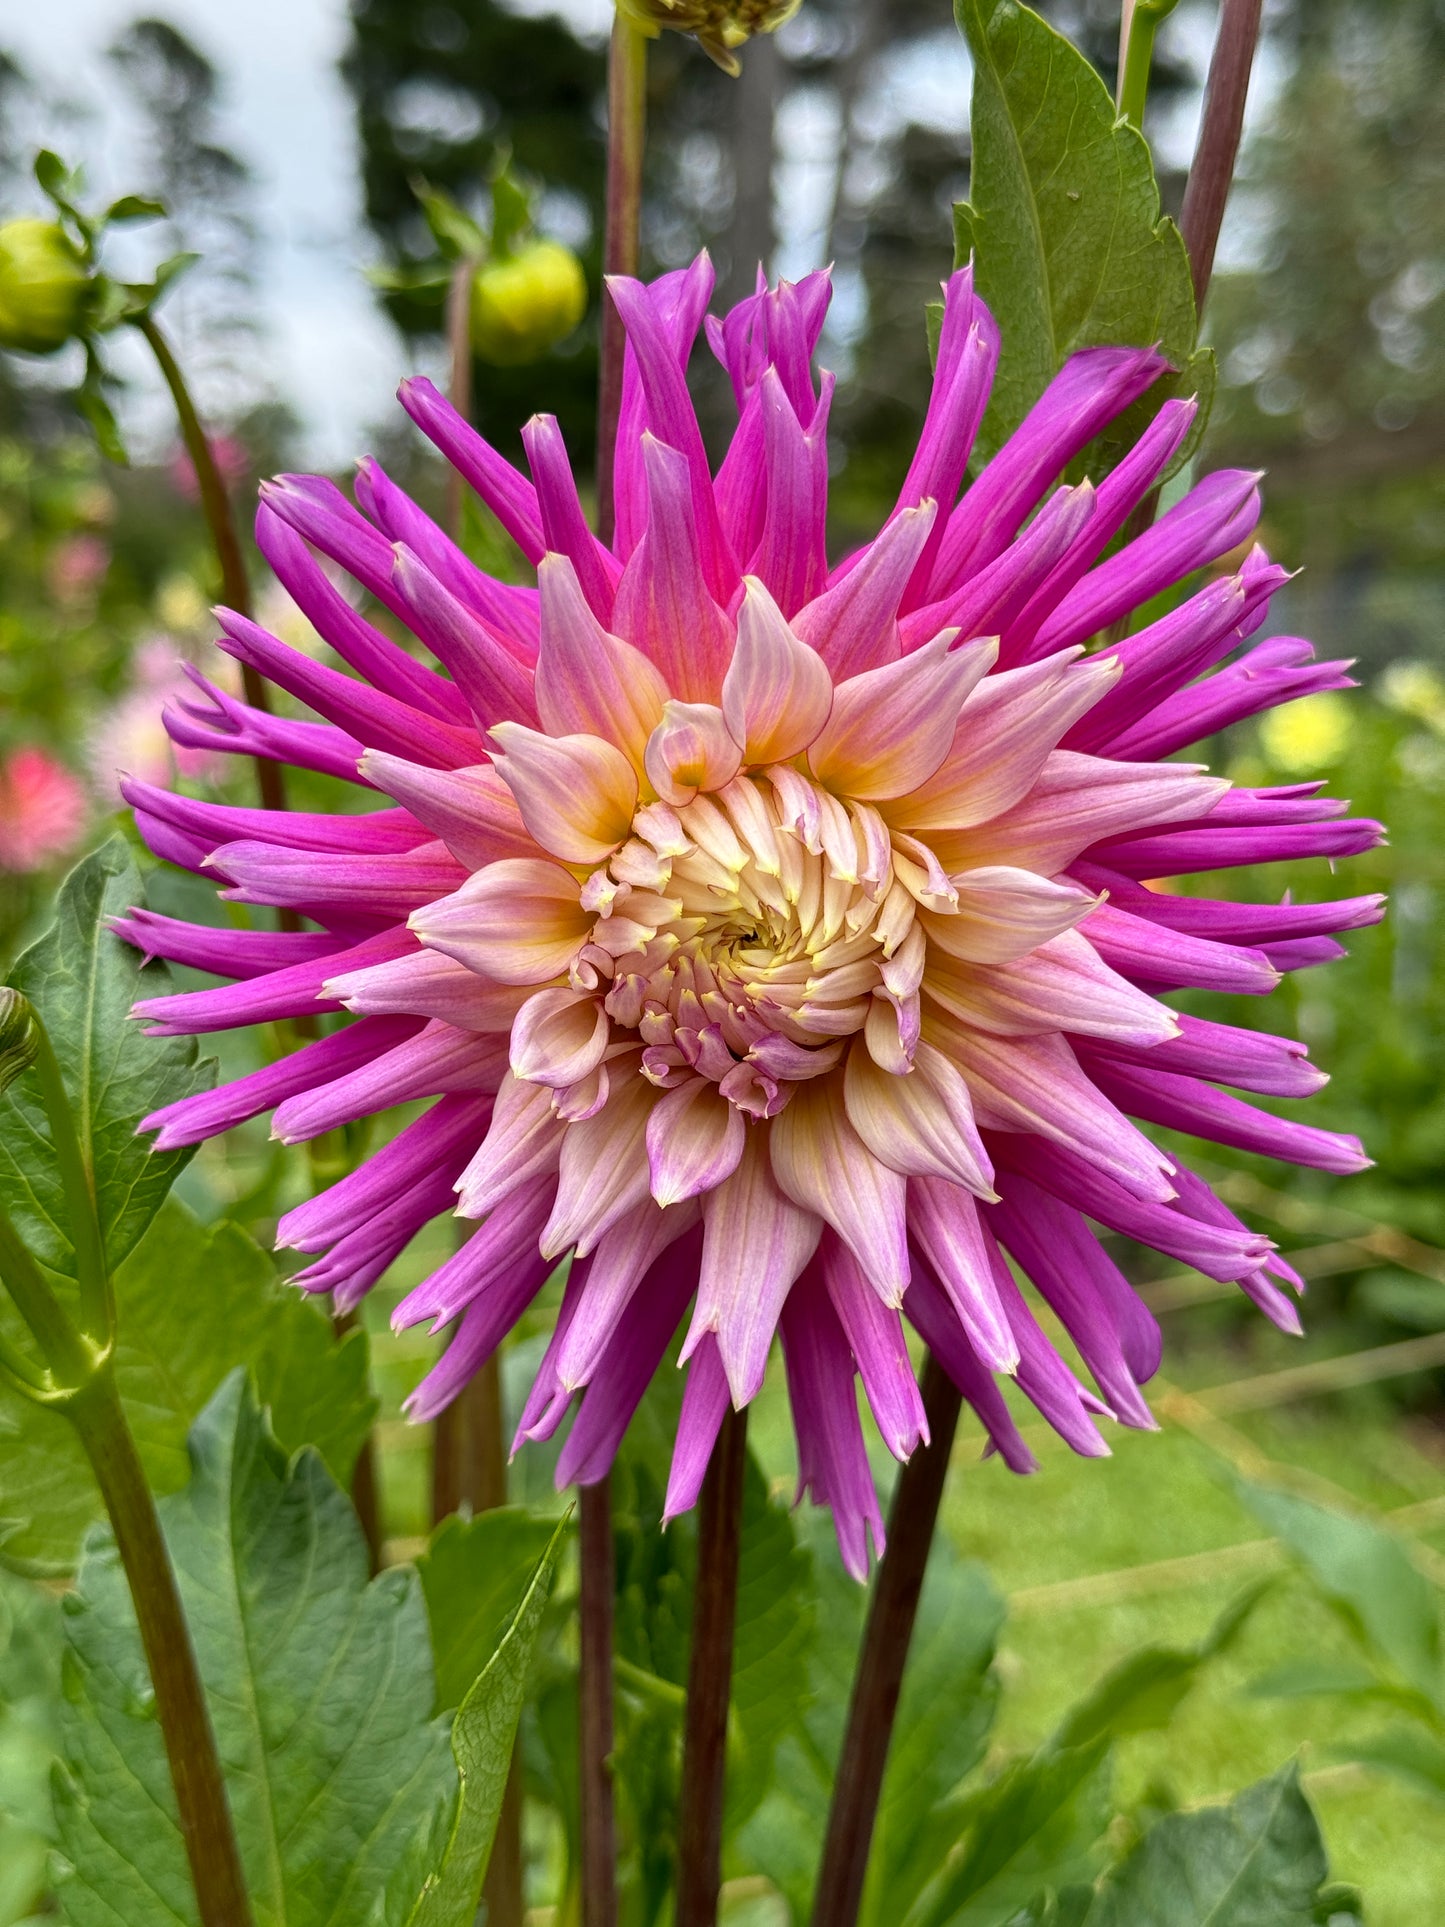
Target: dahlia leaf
x=473 y=1573
x=1142 y=1693
x=772 y=1636
x=1063 y=221
x=320 y=1689
x=950 y=1697
x=1038 y=1825
x=83 y=982
x=1261 y=1858
x=169 y=1360
x=1369 y=1578
x=483 y=1735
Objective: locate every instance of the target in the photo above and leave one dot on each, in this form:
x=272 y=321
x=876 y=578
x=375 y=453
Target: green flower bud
x=718 y=26
x=19 y=1038
x=44 y=286
x=525 y=303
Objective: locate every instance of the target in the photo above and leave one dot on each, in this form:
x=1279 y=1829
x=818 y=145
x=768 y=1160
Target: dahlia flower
x=782 y=940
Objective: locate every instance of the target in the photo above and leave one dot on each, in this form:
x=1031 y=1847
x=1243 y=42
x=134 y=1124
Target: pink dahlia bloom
x=43 y=810
x=774 y=936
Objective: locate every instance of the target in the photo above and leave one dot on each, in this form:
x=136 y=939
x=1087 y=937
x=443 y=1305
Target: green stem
x=1139 y=55
x=69 y=1359
x=185 y=1722
x=626 y=137
x=216 y=506
x=97 y=1307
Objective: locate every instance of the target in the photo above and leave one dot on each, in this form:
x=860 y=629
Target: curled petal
x=777 y=692
x=694 y=1141
x=576 y=793
x=589 y=681
x=890 y=728
x=518 y=922
x=559 y=1038
x=691 y=750
x=824 y=1166
x=921 y=1125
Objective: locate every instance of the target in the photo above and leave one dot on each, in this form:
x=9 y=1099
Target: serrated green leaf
x=472 y=1574
x=1063 y=221
x=193 y=1302
x=483 y=1735
x=1258 y=1862
x=1038 y=1825
x=320 y=1689
x=1368 y=1577
x=83 y=981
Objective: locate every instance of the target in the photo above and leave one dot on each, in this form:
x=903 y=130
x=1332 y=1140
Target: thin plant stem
x=599 y=1827
x=180 y=1702
x=1137 y=55
x=1211 y=174
x=96 y=1298
x=626 y=135
x=621 y=248
x=220 y=520
x=469 y=1453
x=1222 y=122
x=878 y=1679
x=709 y=1678
x=69 y=1359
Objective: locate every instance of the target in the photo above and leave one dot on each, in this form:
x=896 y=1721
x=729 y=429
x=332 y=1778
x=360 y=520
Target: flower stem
x=709 y=1678
x=1211 y=174
x=185 y=1722
x=216 y=506
x=599 y=1832
x=626 y=134
x=1221 y=124
x=881 y=1660
x=1143 y=17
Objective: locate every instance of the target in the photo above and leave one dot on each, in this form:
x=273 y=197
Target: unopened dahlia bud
x=19 y=1039
x=718 y=26
x=44 y=286
x=522 y=305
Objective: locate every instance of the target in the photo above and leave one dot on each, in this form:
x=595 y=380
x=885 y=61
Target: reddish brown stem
x=599 y=1830
x=1220 y=127
x=709 y=1678
x=881 y=1660
x=626 y=125
x=180 y=1702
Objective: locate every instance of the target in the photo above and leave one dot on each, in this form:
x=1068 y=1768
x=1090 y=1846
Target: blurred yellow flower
x=1307 y=735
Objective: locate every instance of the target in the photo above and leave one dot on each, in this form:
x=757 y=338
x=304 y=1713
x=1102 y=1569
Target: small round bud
x=522 y=305
x=44 y=286
x=19 y=1038
x=718 y=26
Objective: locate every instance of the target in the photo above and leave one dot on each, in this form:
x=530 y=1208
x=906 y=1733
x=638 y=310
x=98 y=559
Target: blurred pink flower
x=43 y=810
x=130 y=739
x=233 y=459
x=77 y=566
